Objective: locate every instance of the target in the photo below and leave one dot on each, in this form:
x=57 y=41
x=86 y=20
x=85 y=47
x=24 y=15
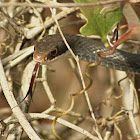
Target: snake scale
x=52 y=47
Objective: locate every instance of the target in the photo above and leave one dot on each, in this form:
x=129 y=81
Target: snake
x=52 y=47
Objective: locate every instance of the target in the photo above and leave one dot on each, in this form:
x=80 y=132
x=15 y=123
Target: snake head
x=49 y=48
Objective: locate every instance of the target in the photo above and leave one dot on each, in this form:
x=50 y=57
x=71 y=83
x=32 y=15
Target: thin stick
x=34 y=116
x=80 y=72
x=15 y=108
x=13 y=56
x=46 y=86
x=29 y=34
x=58 y=5
x=19 y=59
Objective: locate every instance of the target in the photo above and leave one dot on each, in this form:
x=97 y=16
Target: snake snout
x=39 y=57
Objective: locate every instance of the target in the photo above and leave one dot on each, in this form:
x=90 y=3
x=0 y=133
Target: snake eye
x=54 y=52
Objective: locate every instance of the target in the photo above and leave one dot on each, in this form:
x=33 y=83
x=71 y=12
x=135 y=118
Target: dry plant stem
x=6 y=31
x=10 y=10
x=25 y=83
x=58 y=5
x=118 y=130
x=35 y=116
x=40 y=18
x=18 y=45
x=72 y=98
x=117 y=119
x=49 y=110
x=136 y=96
x=83 y=83
x=110 y=127
x=15 y=108
x=44 y=73
x=74 y=67
x=107 y=135
x=26 y=79
x=46 y=86
x=53 y=29
x=17 y=13
x=129 y=102
x=19 y=59
x=13 y=56
x=33 y=32
x=5 y=110
x=14 y=132
x=74 y=114
x=134 y=125
x=131 y=116
x=88 y=101
x=132 y=103
x=17 y=28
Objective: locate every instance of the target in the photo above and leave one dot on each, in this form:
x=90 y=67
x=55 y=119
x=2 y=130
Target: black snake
x=52 y=47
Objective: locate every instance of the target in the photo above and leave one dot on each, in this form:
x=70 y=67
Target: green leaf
x=99 y=23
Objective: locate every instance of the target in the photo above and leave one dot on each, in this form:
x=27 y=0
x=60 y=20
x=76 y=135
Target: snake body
x=52 y=47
